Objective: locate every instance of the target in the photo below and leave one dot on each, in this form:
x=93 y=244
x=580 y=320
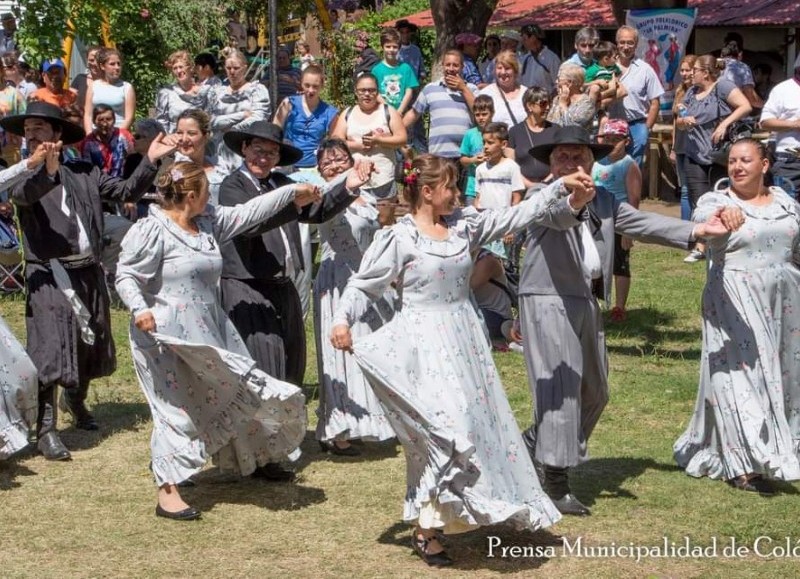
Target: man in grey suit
x=567 y=267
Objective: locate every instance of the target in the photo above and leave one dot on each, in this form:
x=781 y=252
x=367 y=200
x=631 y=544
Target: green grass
x=94 y=517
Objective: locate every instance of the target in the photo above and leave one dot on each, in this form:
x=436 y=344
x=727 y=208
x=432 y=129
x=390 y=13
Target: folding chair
x=10 y=259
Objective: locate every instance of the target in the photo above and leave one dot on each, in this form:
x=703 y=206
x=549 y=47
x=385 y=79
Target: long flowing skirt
x=18 y=390
x=466 y=464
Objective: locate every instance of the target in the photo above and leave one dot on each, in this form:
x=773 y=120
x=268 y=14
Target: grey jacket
x=552 y=264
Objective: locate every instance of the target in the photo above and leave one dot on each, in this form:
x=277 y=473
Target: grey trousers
x=565 y=355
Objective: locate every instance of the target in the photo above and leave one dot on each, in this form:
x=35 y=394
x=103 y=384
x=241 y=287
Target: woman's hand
x=145 y=322
x=686 y=123
x=731 y=217
x=626 y=243
x=719 y=133
x=713 y=227
x=306 y=194
x=162 y=146
x=360 y=174
x=341 y=339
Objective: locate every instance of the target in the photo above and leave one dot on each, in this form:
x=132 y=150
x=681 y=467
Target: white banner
x=663 y=35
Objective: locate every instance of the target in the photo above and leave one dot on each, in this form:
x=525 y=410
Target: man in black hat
x=67 y=312
x=539 y=66
x=568 y=266
x=257 y=289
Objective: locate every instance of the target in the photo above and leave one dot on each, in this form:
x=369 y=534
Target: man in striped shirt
x=449 y=102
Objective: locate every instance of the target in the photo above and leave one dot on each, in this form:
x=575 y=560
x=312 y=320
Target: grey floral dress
x=432 y=370
x=747 y=416
x=235 y=110
x=18 y=390
x=204 y=391
x=348 y=409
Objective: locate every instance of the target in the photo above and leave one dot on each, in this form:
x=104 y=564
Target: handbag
x=736 y=131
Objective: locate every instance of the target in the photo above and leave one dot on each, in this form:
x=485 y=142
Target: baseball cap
x=615 y=127
x=511 y=35
x=53 y=62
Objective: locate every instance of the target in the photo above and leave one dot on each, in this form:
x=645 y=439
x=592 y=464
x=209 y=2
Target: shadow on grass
x=273 y=496
x=483 y=548
x=645 y=325
x=370 y=451
x=11 y=469
x=112 y=417
x=603 y=477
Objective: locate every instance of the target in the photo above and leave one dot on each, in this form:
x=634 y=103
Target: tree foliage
x=145 y=32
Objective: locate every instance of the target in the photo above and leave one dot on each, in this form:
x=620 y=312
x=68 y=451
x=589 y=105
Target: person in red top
x=54 y=91
x=106 y=146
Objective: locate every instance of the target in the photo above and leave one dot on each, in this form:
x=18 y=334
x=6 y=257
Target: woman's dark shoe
x=82 y=418
x=420 y=546
x=752 y=484
x=272 y=471
x=52 y=448
x=337 y=450
x=187 y=514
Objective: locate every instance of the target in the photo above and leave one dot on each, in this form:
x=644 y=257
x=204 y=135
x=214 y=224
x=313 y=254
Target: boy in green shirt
x=396 y=80
x=472 y=144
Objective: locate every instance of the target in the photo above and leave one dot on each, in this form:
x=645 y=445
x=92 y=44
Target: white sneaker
x=694 y=256
x=514 y=347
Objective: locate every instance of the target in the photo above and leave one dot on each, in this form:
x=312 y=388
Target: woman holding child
x=431 y=366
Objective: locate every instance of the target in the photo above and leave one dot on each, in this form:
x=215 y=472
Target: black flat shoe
x=187 y=514
x=52 y=448
x=570 y=505
x=272 y=471
x=81 y=417
x=333 y=449
x=420 y=546
x=752 y=485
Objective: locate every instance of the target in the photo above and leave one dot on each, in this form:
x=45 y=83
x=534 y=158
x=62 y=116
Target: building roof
x=572 y=14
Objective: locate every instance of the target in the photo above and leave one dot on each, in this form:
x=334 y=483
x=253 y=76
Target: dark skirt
x=54 y=335
x=269 y=317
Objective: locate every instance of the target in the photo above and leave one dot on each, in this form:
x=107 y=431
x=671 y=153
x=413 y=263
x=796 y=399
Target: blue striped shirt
x=450 y=118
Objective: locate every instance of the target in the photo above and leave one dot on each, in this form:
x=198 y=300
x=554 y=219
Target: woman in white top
x=506 y=91
x=109 y=89
x=375 y=131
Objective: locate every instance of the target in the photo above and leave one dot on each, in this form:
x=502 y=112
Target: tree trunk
x=451 y=17
x=620 y=6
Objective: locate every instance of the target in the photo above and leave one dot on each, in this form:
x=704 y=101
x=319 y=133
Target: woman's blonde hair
x=573 y=73
x=711 y=64
x=229 y=53
x=508 y=59
x=178 y=56
x=431 y=171
x=680 y=92
x=177 y=180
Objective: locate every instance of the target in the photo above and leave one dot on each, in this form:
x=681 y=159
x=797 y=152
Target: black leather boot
x=73 y=401
x=557 y=488
x=49 y=444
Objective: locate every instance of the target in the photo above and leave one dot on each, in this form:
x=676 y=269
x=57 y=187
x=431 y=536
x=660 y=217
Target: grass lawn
x=94 y=517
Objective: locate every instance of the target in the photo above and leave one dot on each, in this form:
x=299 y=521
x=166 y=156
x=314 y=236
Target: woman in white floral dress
x=746 y=424
x=431 y=366
x=205 y=393
x=347 y=408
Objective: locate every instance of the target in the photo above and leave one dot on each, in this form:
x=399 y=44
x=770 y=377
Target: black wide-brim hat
x=267 y=131
x=571 y=135
x=70 y=133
